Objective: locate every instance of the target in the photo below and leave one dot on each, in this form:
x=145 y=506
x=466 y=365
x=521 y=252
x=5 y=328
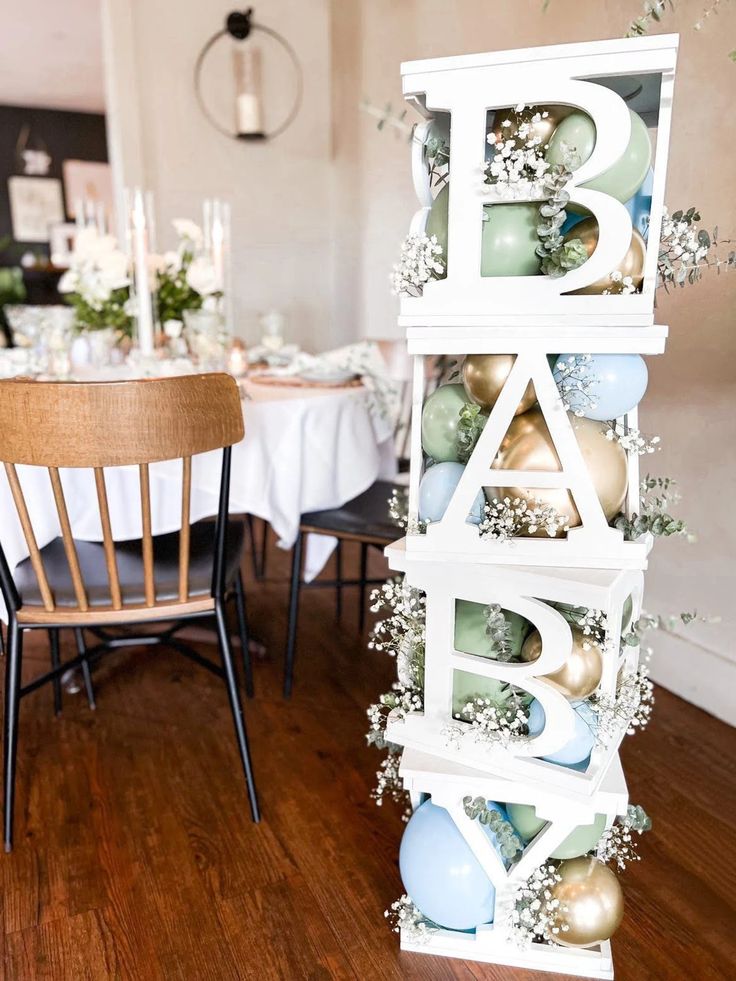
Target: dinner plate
x=327 y=376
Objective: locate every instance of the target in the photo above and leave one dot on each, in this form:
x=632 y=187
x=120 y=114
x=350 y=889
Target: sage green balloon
x=509 y=236
x=575 y=134
x=440 y=418
x=465 y=687
x=579 y=842
x=510 y=240
x=626 y=176
x=437 y=221
x=470 y=630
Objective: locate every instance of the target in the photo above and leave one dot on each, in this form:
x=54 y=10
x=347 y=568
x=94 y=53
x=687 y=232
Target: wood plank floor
x=136 y=858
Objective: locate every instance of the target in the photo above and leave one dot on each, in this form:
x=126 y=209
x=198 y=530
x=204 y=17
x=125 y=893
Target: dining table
x=306 y=448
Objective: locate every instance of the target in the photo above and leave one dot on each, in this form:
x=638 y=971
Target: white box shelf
x=604 y=79
x=527 y=592
x=447 y=784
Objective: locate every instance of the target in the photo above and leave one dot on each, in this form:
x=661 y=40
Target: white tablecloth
x=304 y=449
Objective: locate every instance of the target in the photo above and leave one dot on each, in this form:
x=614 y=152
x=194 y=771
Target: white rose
x=202 y=276
x=112 y=270
x=187 y=229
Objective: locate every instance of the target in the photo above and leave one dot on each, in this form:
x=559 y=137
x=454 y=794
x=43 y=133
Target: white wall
x=280 y=191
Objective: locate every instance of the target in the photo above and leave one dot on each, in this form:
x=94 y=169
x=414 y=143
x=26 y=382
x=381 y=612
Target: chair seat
x=130 y=567
x=365 y=517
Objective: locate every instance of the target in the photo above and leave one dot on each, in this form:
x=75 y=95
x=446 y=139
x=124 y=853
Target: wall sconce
x=247 y=75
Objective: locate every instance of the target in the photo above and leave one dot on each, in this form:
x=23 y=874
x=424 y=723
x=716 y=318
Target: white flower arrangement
x=620 y=285
x=629 y=709
x=97 y=281
x=401 y=634
x=407 y=919
x=576 y=383
x=419 y=263
x=390 y=786
x=517 y=168
x=686 y=250
x=534 y=911
x=617 y=845
x=501 y=720
x=632 y=440
x=507 y=519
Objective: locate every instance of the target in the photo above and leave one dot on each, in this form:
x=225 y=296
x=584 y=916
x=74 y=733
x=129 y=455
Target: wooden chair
x=75 y=584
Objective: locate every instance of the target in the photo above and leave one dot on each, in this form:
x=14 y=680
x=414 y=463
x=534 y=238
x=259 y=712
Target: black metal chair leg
x=243 y=631
x=264 y=548
x=55 y=664
x=86 y=672
x=296 y=580
x=253 y=545
x=363 y=577
x=10 y=724
x=235 y=704
x=338 y=580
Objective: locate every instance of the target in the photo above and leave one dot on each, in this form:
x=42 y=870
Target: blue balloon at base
x=580 y=746
x=441 y=874
x=616 y=383
x=437 y=487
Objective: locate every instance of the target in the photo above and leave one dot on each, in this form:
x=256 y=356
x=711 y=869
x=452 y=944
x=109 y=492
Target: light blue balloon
x=640 y=206
x=619 y=382
x=580 y=746
x=440 y=872
x=437 y=487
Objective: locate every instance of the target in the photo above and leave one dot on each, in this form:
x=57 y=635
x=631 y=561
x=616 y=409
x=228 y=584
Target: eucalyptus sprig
x=498 y=631
x=470 y=425
x=657 y=495
x=558 y=257
x=509 y=843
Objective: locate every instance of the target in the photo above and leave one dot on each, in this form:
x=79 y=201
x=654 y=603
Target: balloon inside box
x=532 y=446
x=526 y=671
x=459 y=882
x=583 y=135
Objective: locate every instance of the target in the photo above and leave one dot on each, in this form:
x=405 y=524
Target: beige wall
x=319 y=215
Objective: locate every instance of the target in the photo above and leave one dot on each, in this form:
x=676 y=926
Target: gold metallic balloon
x=591 y=902
x=543 y=129
x=528 y=446
x=484 y=375
x=632 y=263
x=580 y=675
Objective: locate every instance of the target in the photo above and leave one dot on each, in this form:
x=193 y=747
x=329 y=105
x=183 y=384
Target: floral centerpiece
x=186 y=278
x=97 y=283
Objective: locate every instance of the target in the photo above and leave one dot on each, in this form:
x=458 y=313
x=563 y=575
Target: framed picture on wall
x=35 y=205
x=87 y=182
x=61 y=243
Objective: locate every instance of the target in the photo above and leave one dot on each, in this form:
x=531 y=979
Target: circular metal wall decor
x=241 y=25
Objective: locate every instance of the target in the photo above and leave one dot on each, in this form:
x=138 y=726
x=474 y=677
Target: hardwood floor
x=136 y=858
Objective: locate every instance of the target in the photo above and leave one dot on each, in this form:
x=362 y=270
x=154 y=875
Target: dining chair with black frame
x=164 y=579
x=366 y=519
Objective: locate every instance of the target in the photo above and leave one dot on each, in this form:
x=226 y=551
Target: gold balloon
x=484 y=375
x=528 y=446
x=632 y=263
x=591 y=902
x=580 y=675
x=543 y=129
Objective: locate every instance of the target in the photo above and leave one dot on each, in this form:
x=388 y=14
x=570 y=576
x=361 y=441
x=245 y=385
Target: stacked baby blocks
x=528 y=277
